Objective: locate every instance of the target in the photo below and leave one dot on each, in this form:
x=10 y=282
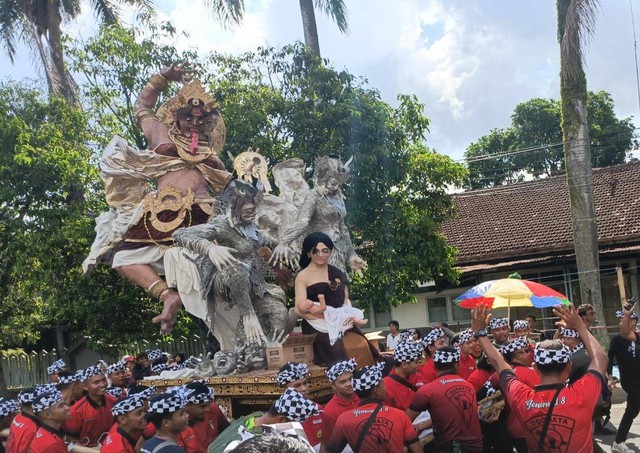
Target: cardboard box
x=298 y=348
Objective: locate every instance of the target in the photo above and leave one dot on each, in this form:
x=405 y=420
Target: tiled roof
x=534 y=218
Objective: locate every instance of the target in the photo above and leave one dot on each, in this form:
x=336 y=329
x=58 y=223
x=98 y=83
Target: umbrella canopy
x=511 y=292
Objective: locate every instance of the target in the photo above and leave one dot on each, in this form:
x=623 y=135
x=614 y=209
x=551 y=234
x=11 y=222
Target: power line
x=635 y=51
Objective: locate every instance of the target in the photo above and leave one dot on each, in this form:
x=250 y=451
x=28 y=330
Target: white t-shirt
x=392 y=341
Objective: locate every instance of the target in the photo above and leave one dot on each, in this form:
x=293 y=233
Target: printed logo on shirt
x=378 y=436
x=462 y=396
x=558 y=435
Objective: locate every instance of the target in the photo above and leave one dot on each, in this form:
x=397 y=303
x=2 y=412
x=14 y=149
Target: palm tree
x=38 y=24
x=336 y=9
x=576 y=19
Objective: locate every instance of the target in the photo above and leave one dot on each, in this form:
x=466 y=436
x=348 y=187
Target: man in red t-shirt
x=130 y=414
x=344 y=398
x=556 y=417
x=293 y=375
x=399 y=384
x=52 y=411
x=206 y=420
x=91 y=416
x=451 y=402
x=431 y=342
x=373 y=426
x=466 y=343
x=25 y=425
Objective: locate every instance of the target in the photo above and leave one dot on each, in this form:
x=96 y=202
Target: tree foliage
x=533 y=143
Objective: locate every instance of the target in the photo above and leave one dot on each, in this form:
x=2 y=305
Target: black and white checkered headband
x=292 y=371
x=146 y=393
x=56 y=366
x=200 y=396
x=407 y=351
x=577 y=348
x=46 y=400
x=27 y=395
x=406 y=335
x=159 y=368
x=154 y=354
x=8 y=407
x=115 y=367
x=432 y=337
x=173 y=400
x=498 y=322
x=620 y=314
x=115 y=391
x=463 y=337
x=549 y=356
x=92 y=371
x=513 y=346
x=446 y=356
x=346 y=366
x=521 y=324
x=569 y=333
x=75 y=377
x=127 y=405
x=370 y=376
x=295 y=406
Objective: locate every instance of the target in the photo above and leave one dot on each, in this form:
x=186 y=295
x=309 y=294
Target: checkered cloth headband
x=56 y=366
x=295 y=406
x=292 y=371
x=369 y=377
x=577 y=348
x=146 y=393
x=447 y=356
x=432 y=337
x=75 y=377
x=115 y=391
x=92 y=371
x=521 y=324
x=407 y=351
x=513 y=346
x=498 y=322
x=549 y=356
x=339 y=368
x=127 y=405
x=29 y=394
x=154 y=354
x=159 y=368
x=620 y=314
x=200 y=395
x=569 y=333
x=173 y=400
x=463 y=337
x=8 y=407
x=46 y=400
x=115 y=367
x=406 y=335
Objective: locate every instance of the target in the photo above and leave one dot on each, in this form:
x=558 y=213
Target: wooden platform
x=242 y=394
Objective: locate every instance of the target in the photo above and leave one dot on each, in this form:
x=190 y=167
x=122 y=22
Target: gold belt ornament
x=168 y=199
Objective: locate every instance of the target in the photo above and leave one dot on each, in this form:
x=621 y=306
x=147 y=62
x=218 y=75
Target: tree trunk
x=309 y=26
x=573 y=90
x=62 y=85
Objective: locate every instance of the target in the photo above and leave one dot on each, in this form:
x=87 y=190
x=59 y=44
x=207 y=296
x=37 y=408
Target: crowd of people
x=463 y=393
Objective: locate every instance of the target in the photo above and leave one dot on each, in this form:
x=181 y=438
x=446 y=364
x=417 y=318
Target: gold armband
x=158 y=83
x=143 y=115
x=158 y=288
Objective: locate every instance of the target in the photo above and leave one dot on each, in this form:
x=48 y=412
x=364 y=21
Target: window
x=459 y=314
x=437 y=310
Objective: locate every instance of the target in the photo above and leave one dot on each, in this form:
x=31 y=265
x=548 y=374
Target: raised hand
x=179 y=71
x=569 y=317
x=480 y=318
x=221 y=256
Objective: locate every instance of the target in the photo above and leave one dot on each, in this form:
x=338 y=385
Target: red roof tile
x=532 y=218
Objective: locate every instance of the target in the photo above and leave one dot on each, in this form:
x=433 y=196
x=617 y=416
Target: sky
x=470 y=62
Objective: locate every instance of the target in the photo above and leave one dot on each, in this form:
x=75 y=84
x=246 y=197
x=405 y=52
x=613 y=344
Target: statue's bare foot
x=169 y=316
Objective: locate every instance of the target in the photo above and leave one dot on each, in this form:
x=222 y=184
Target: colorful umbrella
x=511 y=292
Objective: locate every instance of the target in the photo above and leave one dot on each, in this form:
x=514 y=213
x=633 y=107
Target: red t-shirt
x=530 y=378
x=466 y=366
x=208 y=429
x=89 y=421
x=451 y=401
x=400 y=391
x=333 y=409
x=428 y=371
x=48 y=440
x=22 y=431
x=390 y=432
x=149 y=431
x=118 y=441
x=314 y=429
x=570 y=426
x=186 y=440
x=478 y=378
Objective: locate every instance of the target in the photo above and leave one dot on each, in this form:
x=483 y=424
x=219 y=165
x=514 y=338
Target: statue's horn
x=231 y=156
x=348 y=166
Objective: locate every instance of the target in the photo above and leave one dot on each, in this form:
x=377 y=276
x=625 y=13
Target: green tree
x=486 y=169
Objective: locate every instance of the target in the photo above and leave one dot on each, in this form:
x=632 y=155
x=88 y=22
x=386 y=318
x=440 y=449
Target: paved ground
x=633 y=441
